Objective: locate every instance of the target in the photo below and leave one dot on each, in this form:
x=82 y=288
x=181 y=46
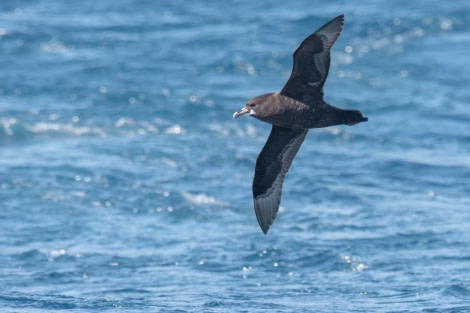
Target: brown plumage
x=292 y=111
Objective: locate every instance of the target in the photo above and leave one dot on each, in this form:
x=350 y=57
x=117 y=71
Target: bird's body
x=311 y=112
x=292 y=111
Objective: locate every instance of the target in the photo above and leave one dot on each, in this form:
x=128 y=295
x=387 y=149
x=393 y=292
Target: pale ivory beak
x=241 y=112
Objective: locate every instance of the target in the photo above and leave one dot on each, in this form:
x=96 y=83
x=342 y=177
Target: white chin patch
x=252 y=112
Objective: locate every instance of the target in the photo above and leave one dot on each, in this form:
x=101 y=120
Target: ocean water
x=125 y=184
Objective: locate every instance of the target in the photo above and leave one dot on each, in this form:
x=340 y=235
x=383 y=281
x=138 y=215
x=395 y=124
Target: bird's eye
x=251 y=105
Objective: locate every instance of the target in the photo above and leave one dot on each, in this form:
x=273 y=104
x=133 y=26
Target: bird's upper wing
x=312 y=61
x=272 y=164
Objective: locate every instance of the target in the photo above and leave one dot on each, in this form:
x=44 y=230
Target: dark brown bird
x=292 y=111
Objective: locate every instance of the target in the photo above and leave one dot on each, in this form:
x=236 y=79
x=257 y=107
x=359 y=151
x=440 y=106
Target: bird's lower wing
x=272 y=164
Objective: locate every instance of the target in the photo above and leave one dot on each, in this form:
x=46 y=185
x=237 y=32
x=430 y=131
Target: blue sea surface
x=125 y=183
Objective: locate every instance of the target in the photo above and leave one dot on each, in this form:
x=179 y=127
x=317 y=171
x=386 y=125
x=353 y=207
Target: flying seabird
x=292 y=111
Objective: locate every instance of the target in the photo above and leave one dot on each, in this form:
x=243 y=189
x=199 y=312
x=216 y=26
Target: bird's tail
x=352 y=117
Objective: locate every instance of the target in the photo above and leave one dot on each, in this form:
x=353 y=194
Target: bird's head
x=255 y=107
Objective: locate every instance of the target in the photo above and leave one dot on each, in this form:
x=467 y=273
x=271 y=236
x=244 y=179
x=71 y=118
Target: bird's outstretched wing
x=312 y=61
x=272 y=164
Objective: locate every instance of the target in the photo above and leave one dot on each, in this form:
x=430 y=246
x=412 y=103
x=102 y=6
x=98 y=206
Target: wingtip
x=263 y=225
x=337 y=18
x=332 y=29
x=340 y=18
x=264 y=214
x=265 y=229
